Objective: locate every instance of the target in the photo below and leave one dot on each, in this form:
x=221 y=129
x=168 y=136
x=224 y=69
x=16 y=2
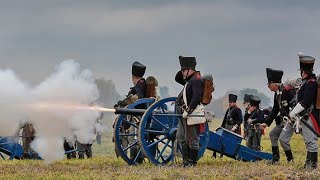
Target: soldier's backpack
x=152 y=87
x=208 y=89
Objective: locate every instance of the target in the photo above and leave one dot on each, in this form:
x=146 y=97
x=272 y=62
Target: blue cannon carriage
x=10 y=148
x=151 y=133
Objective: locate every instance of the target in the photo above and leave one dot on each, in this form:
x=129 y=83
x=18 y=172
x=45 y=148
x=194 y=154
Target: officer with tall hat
x=233 y=118
x=283 y=102
x=189 y=98
x=254 y=118
x=136 y=92
x=306 y=108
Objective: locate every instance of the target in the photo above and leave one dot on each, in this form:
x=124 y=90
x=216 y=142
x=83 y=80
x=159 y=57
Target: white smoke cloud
x=13 y=94
x=52 y=107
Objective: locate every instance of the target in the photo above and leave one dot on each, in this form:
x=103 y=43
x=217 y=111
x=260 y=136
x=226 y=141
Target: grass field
x=105 y=165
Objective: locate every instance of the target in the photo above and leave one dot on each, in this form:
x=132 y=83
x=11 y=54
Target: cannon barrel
x=135 y=112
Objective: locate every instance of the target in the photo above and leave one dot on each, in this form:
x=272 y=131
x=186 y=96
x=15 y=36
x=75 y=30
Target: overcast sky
x=233 y=40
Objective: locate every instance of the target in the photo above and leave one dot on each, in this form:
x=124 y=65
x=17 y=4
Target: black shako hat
x=306 y=63
x=255 y=101
x=138 y=69
x=274 y=76
x=246 y=98
x=232 y=98
x=187 y=62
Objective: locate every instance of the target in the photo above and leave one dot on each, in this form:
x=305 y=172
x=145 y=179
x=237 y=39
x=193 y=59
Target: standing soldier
x=283 y=102
x=233 y=118
x=246 y=105
x=254 y=118
x=307 y=109
x=136 y=92
x=188 y=135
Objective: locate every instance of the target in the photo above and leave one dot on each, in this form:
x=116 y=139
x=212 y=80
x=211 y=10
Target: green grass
x=105 y=165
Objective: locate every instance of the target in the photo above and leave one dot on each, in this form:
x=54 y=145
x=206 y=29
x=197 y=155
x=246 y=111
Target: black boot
x=185 y=151
x=275 y=155
x=289 y=155
x=214 y=154
x=307 y=163
x=314 y=160
x=194 y=156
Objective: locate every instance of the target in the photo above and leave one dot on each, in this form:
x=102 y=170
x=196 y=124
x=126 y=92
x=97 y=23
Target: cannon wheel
x=158 y=129
x=122 y=143
x=10 y=149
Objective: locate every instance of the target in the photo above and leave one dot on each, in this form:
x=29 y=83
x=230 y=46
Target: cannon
x=10 y=149
x=151 y=133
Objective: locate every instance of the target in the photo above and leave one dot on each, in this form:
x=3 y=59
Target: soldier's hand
x=233 y=129
x=249 y=121
x=184 y=114
x=263 y=125
x=293 y=115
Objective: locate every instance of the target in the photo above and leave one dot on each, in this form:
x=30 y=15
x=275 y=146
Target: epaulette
x=287 y=88
x=311 y=80
x=198 y=76
x=141 y=80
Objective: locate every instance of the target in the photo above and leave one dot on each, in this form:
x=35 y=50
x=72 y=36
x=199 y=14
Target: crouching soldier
x=283 y=101
x=307 y=109
x=28 y=134
x=189 y=98
x=233 y=118
x=254 y=118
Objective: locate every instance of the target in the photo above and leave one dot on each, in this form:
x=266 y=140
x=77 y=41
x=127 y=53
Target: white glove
x=296 y=110
x=184 y=114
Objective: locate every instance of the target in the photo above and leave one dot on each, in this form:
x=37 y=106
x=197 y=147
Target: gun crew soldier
x=254 y=118
x=136 y=92
x=283 y=101
x=233 y=118
x=306 y=108
x=187 y=101
x=246 y=103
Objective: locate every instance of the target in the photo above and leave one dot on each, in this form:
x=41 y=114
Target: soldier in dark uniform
x=246 y=105
x=254 y=118
x=136 y=92
x=283 y=101
x=233 y=118
x=306 y=108
x=70 y=148
x=188 y=135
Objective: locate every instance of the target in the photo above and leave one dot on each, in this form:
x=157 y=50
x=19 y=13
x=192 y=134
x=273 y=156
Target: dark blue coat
x=233 y=116
x=282 y=102
x=139 y=89
x=257 y=116
x=307 y=96
x=194 y=92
